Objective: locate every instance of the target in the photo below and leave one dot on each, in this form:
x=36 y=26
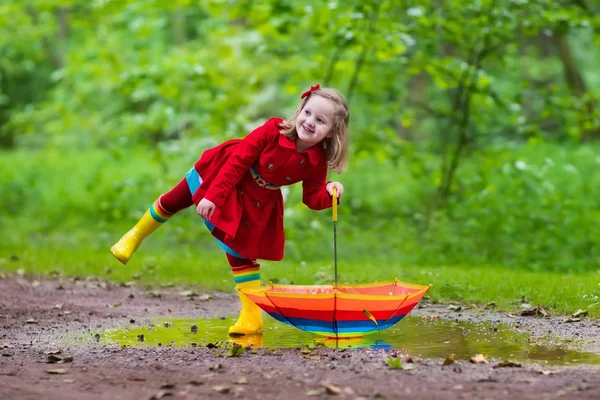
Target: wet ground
x=73 y=339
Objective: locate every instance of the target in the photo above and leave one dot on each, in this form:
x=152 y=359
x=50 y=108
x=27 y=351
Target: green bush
x=531 y=207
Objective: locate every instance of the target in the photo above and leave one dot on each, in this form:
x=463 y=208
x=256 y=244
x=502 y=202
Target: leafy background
x=474 y=127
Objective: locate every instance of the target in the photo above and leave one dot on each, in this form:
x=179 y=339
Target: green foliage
x=85 y=73
x=527 y=207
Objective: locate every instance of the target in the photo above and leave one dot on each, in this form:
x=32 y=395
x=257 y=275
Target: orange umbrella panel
x=345 y=311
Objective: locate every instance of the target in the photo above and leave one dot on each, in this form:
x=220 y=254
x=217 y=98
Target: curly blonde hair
x=336 y=147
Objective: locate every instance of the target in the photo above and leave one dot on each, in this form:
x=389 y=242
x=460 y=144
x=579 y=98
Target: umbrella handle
x=334 y=203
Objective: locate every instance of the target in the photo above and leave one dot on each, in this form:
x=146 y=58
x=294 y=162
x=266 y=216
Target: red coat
x=250 y=215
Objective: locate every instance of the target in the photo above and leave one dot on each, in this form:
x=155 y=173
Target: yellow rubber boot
x=129 y=243
x=250 y=320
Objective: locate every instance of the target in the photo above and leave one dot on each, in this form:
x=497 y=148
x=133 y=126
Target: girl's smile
x=314 y=122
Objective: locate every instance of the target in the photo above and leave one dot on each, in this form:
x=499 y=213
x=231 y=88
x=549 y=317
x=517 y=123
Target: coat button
x=287 y=178
x=257 y=204
x=302 y=161
x=271 y=166
x=246 y=224
x=242 y=192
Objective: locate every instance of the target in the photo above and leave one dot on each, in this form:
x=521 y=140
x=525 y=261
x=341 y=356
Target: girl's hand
x=338 y=186
x=206 y=209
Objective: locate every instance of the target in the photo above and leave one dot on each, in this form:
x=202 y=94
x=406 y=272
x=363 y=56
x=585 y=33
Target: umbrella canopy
x=339 y=310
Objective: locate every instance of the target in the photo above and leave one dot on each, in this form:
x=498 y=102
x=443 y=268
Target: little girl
x=236 y=189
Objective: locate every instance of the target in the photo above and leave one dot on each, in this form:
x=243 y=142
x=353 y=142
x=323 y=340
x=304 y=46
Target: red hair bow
x=309 y=91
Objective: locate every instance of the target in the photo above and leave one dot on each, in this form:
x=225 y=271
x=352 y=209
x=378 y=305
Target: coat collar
x=316 y=153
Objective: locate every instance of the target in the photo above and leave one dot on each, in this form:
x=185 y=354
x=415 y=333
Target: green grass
x=508 y=232
x=204 y=267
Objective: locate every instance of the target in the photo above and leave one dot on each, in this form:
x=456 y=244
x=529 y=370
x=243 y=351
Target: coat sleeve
x=240 y=161
x=314 y=193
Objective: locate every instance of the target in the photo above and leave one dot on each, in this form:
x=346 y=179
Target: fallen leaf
x=568 y=320
x=491 y=304
x=549 y=372
x=215 y=367
x=161 y=394
x=312 y=357
x=31 y=321
x=236 y=350
x=188 y=293
x=507 y=364
x=167 y=386
x=222 y=388
x=57 y=371
x=412 y=360
x=242 y=380
x=371 y=317
x=579 y=313
x=313 y=392
x=479 y=359
x=449 y=360
x=528 y=310
x=452 y=307
x=540 y=311
x=53 y=359
x=424 y=318
x=331 y=389
x=349 y=390
x=435 y=317
x=204 y=297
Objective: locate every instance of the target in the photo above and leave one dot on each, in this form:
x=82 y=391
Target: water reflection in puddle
x=417 y=338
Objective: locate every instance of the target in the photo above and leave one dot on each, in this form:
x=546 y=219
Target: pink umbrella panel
x=343 y=311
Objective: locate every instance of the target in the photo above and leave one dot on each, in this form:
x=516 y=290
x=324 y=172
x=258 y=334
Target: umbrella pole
x=335 y=284
x=334 y=206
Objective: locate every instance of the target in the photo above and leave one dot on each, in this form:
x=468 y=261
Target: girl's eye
x=306 y=112
x=319 y=120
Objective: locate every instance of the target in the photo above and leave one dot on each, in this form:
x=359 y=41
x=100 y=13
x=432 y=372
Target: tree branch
x=53 y=57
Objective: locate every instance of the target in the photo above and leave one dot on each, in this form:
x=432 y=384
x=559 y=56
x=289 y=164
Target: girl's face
x=314 y=122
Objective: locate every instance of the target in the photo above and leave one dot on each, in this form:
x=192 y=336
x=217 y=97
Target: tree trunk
x=62 y=16
x=417 y=97
x=179 y=28
x=575 y=82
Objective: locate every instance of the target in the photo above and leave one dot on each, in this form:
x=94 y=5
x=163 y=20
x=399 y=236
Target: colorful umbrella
x=339 y=310
x=345 y=311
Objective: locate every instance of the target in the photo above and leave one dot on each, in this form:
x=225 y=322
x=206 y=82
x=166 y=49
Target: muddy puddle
x=425 y=339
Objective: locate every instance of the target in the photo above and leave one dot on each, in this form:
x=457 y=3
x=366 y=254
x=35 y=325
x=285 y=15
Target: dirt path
x=35 y=316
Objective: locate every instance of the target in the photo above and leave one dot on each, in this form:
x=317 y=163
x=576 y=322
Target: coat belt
x=260 y=181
